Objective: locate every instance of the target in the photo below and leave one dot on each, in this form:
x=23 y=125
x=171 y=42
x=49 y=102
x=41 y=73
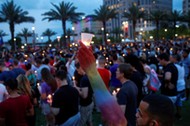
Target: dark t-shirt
x=67 y=99
x=18 y=71
x=5 y=75
x=128 y=96
x=164 y=89
x=137 y=78
x=86 y=83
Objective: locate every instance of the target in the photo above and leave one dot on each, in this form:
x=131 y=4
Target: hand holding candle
x=110 y=110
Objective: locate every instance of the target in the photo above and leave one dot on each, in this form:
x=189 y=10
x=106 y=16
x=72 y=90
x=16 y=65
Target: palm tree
x=63 y=12
x=13 y=14
x=157 y=16
x=25 y=33
x=174 y=17
x=2 y=33
x=48 y=32
x=134 y=14
x=103 y=14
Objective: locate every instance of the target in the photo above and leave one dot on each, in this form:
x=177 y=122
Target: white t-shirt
x=3 y=92
x=181 y=77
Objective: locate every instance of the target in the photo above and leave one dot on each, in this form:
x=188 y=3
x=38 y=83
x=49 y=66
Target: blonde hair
x=24 y=85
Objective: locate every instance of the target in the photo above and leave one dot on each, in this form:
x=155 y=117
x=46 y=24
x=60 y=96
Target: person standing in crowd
x=155 y=110
x=65 y=105
x=48 y=87
x=24 y=88
x=3 y=92
x=176 y=59
x=186 y=62
x=16 y=69
x=104 y=73
x=40 y=66
x=5 y=74
x=16 y=108
x=86 y=98
x=170 y=77
x=114 y=82
x=138 y=74
x=127 y=95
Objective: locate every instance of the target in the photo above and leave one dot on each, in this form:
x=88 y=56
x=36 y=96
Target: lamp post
x=15 y=44
x=102 y=35
x=58 y=40
x=73 y=29
x=33 y=32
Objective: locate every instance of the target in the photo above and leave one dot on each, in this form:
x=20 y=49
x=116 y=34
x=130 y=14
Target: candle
x=74 y=84
x=49 y=99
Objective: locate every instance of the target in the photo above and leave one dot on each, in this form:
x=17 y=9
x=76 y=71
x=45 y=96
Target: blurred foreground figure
x=110 y=110
x=155 y=110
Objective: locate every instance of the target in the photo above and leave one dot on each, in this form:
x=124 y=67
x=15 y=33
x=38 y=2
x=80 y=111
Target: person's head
x=155 y=110
x=79 y=69
x=101 y=61
x=15 y=62
x=163 y=59
x=2 y=65
x=185 y=53
x=175 y=58
x=49 y=79
x=124 y=71
x=60 y=77
x=121 y=60
x=11 y=85
x=23 y=85
x=28 y=66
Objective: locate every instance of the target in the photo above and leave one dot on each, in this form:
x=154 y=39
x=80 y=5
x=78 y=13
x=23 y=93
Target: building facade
x=122 y=6
x=186 y=6
x=86 y=25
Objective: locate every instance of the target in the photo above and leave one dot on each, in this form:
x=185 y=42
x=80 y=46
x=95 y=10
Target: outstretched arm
x=110 y=110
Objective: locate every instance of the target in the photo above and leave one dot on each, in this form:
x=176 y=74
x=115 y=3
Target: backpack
x=154 y=81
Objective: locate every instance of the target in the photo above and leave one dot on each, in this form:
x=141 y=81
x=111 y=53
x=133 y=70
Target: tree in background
x=13 y=14
x=48 y=32
x=157 y=16
x=103 y=14
x=25 y=33
x=134 y=14
x=63 y=12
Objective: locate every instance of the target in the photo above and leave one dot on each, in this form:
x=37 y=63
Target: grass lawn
x=40 y=120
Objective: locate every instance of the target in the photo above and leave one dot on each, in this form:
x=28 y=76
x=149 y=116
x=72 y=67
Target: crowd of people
x=133 y=84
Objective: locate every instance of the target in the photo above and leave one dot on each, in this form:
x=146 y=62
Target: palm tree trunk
x=64 y=34
x=13 y=43
x=49 y=40
x=157 y=30
x=174 y=27
x=134 y=32
x=26 y=39
x=105 y=39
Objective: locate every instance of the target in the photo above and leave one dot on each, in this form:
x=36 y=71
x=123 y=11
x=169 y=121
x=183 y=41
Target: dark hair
x=126 y=69
x=114 y=56
x=101 y=60
x=160 y=107
x=135 y=62
x=28 y=66
x=15 y=62
x=61 y=74
x=164 y=56
x=186 y=51
x=49 y=79
x=77 y=65
x=11 y=83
